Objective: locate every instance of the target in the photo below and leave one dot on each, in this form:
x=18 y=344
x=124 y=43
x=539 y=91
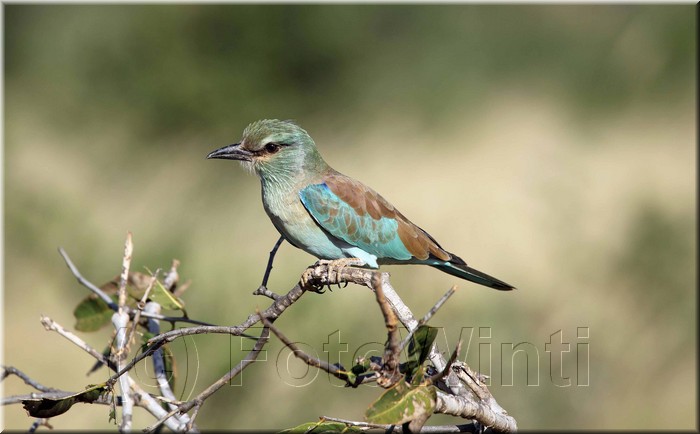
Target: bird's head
x=274 y=149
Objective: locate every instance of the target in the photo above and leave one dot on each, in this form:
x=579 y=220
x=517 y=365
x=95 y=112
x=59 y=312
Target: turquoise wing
x=366 y=229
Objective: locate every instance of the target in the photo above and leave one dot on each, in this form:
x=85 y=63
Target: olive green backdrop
x=551 y=146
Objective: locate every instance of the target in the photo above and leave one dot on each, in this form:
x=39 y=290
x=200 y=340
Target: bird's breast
x=293 y=221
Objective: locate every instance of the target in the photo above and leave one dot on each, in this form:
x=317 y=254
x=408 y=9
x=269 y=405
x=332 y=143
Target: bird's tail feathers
x=463 y=271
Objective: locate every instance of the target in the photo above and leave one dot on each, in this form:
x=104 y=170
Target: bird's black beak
x=231 y=152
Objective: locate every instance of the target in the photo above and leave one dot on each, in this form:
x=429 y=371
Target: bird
x=330 y=215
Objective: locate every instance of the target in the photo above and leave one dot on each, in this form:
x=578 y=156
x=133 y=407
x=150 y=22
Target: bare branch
x=40 y=422
x=143 y=399
x=51 y=325
x=262 y=290
x=271 y=313
x=461 y=406
x=112 y=305
x=394 y=428
x=389 y=374
x=440 y=375
x=140 y=307
x=206 y=393
x=466 y=396
x=120 y=320
x=11 y=370
x=124 y=277
x=437 y=305
x=86 y=283
x=171 y=277
x=427 y=316
x=159 y=362
x=309 y=360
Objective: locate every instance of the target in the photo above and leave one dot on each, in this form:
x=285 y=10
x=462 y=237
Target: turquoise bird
x=330 y=215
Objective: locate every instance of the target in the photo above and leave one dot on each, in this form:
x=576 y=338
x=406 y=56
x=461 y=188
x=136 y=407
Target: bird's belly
x=298 y=227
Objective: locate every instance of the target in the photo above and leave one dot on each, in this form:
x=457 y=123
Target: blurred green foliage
x=549 y=145
x=188 y=67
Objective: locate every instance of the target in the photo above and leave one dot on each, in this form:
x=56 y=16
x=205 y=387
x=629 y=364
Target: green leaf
x=402 y=404
x=50 y=407
x=165 y=298
x=362 y=367
x=421 y=342
x=92 y=314
x=322 y=427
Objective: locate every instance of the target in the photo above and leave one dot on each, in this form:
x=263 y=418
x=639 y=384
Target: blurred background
x=552 y=146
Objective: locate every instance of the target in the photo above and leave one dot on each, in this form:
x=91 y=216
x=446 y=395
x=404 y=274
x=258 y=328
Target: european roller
x=330 y=215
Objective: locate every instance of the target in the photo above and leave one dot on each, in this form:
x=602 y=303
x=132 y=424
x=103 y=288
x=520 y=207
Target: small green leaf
x=421 y=342
x=165 y=298
x=350 y=377
x=92 y=314
x=402 y=404
x=362 y=367
x=322 y=427
x=50 y=407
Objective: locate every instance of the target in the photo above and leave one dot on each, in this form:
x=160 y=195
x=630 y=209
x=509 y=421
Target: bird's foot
x=333 y=269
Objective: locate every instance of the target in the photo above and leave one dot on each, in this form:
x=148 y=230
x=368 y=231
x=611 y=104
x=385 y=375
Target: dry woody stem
x=460 y=391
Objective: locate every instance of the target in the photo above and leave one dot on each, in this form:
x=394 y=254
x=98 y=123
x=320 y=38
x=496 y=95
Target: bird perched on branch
x=331 y=215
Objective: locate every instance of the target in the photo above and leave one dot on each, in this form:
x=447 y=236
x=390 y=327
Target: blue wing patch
x=377 y=237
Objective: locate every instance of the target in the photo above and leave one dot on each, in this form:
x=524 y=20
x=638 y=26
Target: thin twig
x=206 y=393
x=394 y=428
x=124 y=277
x=271 y=313
x=40 y=421
x=389 y=374
x=463 y=404
x=158 y=359
x=86 y=283
x=140 y=307
x=144 y=399
x=11 y=370
x=120 y=320
x=112 y=305
x=428 y=316
x=171 y=277
x=262 y=290
x=440 y=375
x=51 y=325
x=409 y=321
x=309 y=360
x=175 y=319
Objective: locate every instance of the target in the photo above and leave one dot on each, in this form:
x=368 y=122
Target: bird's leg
x=262 y=290
x=333 y=269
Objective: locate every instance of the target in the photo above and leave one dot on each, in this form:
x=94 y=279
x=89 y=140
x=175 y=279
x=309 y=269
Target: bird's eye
x=272 y=148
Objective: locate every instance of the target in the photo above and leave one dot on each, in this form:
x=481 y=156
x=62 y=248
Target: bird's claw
x=333 y=270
